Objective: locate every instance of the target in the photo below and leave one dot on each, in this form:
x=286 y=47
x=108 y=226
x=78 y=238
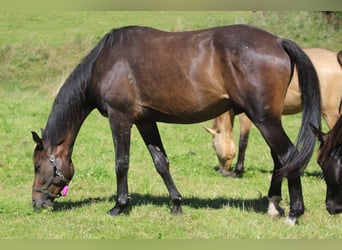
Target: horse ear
x=319 y=134
x=37 y=140
x=210 y=131
x=339 y=57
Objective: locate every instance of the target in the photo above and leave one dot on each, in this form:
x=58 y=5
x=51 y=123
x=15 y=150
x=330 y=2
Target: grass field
x=37 y=52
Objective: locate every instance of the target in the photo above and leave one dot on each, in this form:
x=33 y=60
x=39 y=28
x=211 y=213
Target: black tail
x=311 y=108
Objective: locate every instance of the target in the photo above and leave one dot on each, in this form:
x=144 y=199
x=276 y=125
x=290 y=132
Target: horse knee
x=161 y=164
x=122 y=164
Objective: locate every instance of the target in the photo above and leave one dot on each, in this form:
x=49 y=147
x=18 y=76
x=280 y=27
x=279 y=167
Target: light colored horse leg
x=245 y=127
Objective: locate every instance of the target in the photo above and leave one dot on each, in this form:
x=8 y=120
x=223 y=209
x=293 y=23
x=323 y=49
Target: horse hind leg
x=281 y=146
x=151 y=137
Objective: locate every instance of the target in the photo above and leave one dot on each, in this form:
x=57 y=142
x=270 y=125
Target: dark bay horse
x=328 y=65
x=330 y=161
x=140 y=76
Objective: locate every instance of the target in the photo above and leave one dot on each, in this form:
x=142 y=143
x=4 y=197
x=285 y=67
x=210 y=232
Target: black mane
x=70 y=107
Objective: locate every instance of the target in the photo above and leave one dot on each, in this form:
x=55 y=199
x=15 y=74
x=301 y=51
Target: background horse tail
x=300 y=156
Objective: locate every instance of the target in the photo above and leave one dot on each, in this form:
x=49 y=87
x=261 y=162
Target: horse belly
x=191 y=114
x=184 y=102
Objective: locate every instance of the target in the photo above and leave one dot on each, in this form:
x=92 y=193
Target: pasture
x=37 y=52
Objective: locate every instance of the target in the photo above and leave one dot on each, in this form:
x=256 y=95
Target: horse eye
x=37 y=165
x=52 y=158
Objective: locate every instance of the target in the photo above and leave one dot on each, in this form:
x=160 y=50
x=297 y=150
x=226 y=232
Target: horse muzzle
x=39 y=204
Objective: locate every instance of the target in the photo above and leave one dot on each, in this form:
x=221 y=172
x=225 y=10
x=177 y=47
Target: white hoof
x=291 y=221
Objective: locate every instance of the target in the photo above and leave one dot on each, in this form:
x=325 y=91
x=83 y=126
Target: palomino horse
x=330 y=161
x=329 y=72
x=140 y=76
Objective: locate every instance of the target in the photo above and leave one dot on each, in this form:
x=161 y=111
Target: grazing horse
x=330 y=161
x=140 y=76
x=329 y=72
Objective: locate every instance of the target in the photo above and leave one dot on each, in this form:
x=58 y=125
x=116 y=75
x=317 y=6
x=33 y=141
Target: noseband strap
x=57 y=173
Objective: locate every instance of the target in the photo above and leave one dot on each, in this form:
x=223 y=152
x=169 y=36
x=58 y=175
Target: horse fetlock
x=123 y=201
x=177 y=208
x=119 y=207
x=296 y=212
x=274 y=210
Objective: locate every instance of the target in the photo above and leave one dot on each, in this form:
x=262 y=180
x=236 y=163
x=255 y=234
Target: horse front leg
x=151 y=137
x=121 y=132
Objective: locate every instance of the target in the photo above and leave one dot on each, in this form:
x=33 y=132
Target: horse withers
x=328 y=65
x=140 y=76
x=330 y=160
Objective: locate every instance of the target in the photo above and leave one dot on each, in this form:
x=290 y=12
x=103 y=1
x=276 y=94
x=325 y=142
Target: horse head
x=224 y=148
x=53 y=170
x=330 y=160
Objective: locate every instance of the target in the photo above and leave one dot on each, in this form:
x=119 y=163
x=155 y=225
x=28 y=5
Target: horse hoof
x=177 y=210
x=236 y=175
x=291 y=221
x=225 y=173
x=115 y=211
x=233 y=175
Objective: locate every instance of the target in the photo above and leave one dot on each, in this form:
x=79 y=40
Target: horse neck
x=224 y=124
x=68 y=112
x=71 y=106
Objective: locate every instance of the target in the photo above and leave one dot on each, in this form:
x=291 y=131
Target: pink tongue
x=65 y=191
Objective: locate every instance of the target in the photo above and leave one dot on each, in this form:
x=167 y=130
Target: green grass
x=37 y=52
